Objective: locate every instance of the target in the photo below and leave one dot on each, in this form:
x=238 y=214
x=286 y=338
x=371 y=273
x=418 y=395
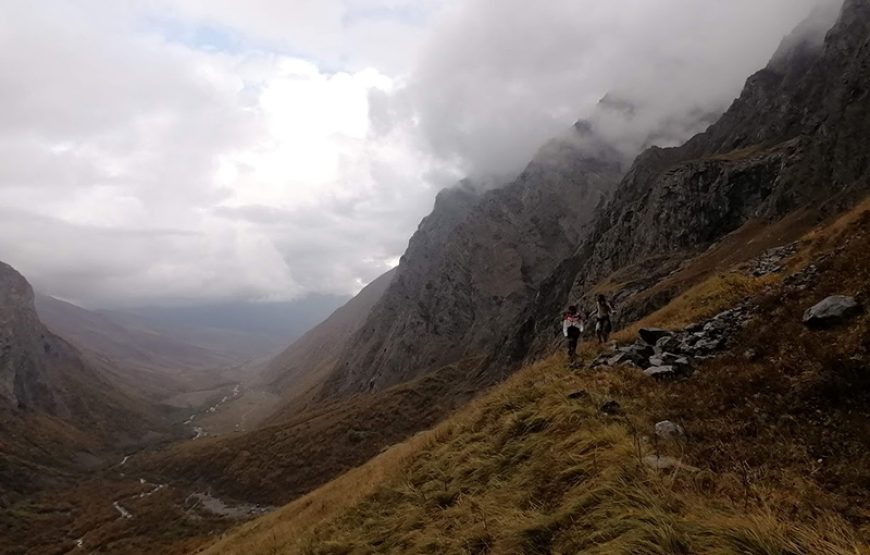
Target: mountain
x=300 y=369
x=157 y=362
x=765 y=454
x=475 y=299
x=474 y=263
x=789 y=149
x=57 y=409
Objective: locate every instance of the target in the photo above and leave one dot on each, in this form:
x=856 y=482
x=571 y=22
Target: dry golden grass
x=780 y=442
x=702 y=301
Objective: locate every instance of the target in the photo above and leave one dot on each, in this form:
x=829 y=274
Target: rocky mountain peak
x=20 y=336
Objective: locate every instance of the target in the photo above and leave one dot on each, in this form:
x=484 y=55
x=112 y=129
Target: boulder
x=715 y=326
x=610 y=407
x=619 y=358
x=669 y=430
x=600 y=360
x=661 y=372
x=635 y=353
x=651 y=335
x=831 y=311
x=661 y=462
x=668 y=343
x=709 y=345
x=669 y=359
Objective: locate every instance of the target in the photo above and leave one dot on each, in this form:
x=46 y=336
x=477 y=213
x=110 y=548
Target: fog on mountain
x=633 y=320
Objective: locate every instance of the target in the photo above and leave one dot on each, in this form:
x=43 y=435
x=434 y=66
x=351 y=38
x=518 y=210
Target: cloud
x=499 y=77
x=111 y=136
x=162 y=151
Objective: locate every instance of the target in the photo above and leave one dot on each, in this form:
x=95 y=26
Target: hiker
x=572 y=328
x=603 y=325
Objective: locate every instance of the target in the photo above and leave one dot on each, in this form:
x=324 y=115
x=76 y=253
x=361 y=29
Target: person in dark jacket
x=572 y=329
x=603 y=313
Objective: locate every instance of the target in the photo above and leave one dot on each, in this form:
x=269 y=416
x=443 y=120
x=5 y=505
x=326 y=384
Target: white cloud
x=158 y=150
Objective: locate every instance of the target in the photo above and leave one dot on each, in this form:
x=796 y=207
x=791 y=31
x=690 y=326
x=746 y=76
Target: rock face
x=25 y=346
x=40 y=372
x=796 y=136
x=476 y=262
x=831 y=311
x=303 y=366
x=490 y=282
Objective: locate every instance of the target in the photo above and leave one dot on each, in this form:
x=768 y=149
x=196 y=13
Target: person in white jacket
x=572 y=329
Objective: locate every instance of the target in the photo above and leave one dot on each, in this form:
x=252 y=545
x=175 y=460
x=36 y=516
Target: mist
x=186 y=152
x=499 y=78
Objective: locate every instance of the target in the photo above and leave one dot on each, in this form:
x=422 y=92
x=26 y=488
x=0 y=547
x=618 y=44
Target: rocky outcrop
x=476 y=262
x=795 y=137
x=667 y=354
x=42 y=373
x=488 y=282
x=831 y=311
x=25 y=347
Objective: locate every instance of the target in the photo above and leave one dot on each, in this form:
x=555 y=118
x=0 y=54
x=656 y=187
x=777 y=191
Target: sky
x=189 y=151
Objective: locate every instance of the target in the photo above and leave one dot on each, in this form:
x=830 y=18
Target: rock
x=600 y=360
x=651 y=335
x=610 y=407
x=709 y=345
x=661 y=372
x=576 y=395
x=660 y=462
x=715 y=326
x=750 y=354
x=831 y=311
x=636 y=354
x=669 y=359
x=620 y=358
x=691 y=328
x=669 y=430
x=771 y=261
x=668 y=343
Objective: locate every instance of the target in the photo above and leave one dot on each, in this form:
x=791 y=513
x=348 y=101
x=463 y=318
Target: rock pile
x=771 y=262
x=664 y=354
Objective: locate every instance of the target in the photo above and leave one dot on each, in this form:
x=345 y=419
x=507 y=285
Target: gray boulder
x=661 y=372
x=669 y=359
x=831 y=311
x=668 y=343
x=651 y=335
x=669 y=430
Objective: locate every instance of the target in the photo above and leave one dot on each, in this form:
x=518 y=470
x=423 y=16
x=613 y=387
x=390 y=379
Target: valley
x=436 y=411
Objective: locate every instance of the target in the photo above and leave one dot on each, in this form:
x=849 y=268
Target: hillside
x=492 y=287
x=59 y=412
x=678 y=218
x=158 y=362
x=762 y=453
x=302 y=367
x=474 y=263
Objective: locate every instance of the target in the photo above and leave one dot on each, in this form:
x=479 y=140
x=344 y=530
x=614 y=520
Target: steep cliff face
x=299 y=371
x=796 y=137
x=41 y=373
x=475 y=263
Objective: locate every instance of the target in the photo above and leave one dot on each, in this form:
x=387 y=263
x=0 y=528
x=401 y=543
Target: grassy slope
x=278 y=463
x=781 y=443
